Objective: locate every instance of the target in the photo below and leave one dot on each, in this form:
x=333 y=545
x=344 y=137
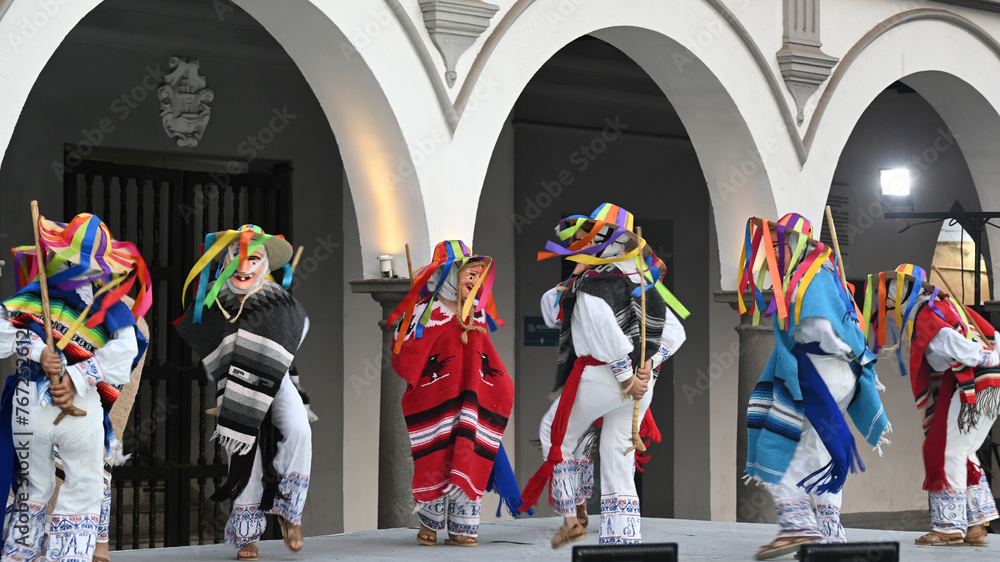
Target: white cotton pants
x=292 y=462
x=74 y=520
x=599 y=396
x=814 y=515
x=463 y=514
x=964 y=503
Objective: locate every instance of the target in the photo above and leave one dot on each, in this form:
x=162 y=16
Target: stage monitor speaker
x=649 y=552
x=850 y=552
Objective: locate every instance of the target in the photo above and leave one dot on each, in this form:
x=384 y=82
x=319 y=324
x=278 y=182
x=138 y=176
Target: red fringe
x=974 y=473
x=558 y=432
x=648 y=427
x=533 y=490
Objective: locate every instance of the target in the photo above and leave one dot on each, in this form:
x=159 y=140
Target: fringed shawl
x=776 y=412
x=248 y=358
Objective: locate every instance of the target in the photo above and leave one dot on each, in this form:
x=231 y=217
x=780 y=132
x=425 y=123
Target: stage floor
x=528 y=539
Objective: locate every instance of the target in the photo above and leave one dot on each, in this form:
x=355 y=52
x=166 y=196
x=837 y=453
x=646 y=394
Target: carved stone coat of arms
x=184 y=102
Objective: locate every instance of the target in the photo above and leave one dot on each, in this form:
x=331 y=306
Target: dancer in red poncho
x=458 y=394
x=950 y=355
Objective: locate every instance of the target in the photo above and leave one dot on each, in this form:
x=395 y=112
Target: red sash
x=533 y=490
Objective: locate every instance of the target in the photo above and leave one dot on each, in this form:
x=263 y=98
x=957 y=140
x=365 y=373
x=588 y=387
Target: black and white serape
x=247 y=359
x=608 y=283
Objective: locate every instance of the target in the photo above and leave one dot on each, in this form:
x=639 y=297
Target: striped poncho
x=456 y=404
x=247 y=359
x=777 y=409
x=66 y=307
x=24 y=309
x=978 y=388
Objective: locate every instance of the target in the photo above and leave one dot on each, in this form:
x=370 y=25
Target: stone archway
x=950 y=62
x=377 y=162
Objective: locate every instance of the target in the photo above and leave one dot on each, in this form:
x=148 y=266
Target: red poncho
x=456 y=404
x=933 y=392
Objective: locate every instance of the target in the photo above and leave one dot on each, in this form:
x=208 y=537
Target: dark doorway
x=160 y=496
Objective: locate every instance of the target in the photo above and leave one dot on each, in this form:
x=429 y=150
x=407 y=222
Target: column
x=753 y=502
x=395 y=468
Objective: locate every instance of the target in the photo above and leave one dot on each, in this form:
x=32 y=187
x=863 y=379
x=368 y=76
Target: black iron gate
x=161 y=491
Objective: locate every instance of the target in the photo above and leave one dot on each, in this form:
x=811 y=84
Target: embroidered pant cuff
x=981 y=507
x=463 y=515
x=431 y=514
x=828 y=520
x=25 y=531
x=72 y=538
x=948 y=511
x=585 y=472
x=245 y=525
x=620 y=520
x=293 y=486
x=796 y=518
x=565 y=487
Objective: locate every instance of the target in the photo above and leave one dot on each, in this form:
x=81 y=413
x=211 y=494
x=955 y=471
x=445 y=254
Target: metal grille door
x=160 y=496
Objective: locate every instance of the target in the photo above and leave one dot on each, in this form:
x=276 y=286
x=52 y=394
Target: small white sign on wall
x=840 y=206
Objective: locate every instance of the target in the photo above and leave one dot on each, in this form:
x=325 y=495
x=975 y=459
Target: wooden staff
x=43 y=285
x=298 y=255
x=637 y=444
x=409 y=264
x=972 y=320
x=836 y=247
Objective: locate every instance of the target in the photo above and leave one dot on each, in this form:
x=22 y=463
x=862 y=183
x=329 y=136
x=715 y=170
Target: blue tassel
x=503 y=482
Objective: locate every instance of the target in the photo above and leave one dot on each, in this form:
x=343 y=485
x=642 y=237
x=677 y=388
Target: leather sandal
x=103 y=557
x=975 y=536
x=566 y=535
x=248 y=552
x=291 y=533
x=782 y=546
x=935 y=538
x=581 y=514
x=427 y=536
x=461 y=540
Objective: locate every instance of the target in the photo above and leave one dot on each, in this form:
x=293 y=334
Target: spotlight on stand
x=849 y=552
x=658 y=552
x=895 y=181
x=385 y=265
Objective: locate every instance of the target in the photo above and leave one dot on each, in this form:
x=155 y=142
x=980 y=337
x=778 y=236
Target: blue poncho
x=790 y=391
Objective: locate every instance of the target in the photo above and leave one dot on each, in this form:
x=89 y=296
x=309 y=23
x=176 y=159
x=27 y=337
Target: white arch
x=729 y=131
x=356 y=101
x=951 y=62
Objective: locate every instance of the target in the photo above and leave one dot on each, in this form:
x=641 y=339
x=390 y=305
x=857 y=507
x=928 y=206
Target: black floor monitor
x=649 y=552
x=850 y=552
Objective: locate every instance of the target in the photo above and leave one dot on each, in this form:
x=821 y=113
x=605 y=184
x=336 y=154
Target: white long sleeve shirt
x=949 y=347
x=596 y=332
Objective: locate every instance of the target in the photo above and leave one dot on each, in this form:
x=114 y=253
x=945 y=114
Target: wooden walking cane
x=43 y=285
x=409 y=264
x=836 y=247
x=298 y=256
x=637 y=444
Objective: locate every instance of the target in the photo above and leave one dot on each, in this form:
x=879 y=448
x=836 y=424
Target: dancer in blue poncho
x=799 y=444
